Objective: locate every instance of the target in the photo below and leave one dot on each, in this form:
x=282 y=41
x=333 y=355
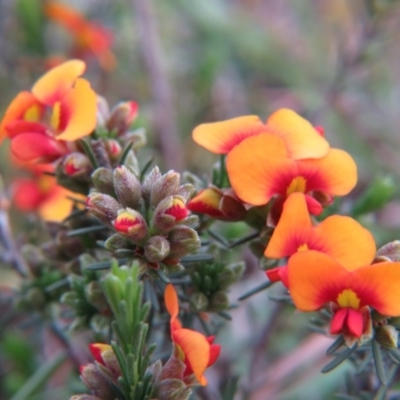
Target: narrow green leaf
x=243 y=240
x=216 y=236
x=145 y=168
x=125 y=153
x=365 y=363
x=257 y=289
x=225 y=315
x=105 y=264
x=84 y=231
x=40 y=377
x=335 y=345
x=193 y=258
x=377 y=355
x=89 y=152
x=338 y=359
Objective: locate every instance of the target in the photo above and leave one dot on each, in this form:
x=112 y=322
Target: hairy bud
x=127 y=187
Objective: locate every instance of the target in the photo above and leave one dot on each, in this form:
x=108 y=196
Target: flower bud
x=186 y=191
x=113 y=149
x=103 y=207
x=103 y=180
x=388 y=252
x=76 y=164
x=156 y=248
x=122 y=116
x=149 y=183
x=166 y=185
x=131 y=224
x=117 y=241
x=104 y=354
x=168 y=213
x=387 y=335
x=219 y=302
x=103 y=111
x=95 y=296
x=127 y=187
x=173 y=389
x=199 y=301
x=182 y=240
x=96 y=381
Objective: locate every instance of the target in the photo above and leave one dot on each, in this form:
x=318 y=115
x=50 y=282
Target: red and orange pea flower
x=89 y=38
x=44 y=123
x=316 y=279
x=196 y=350
x=340 y=237
x=260 y=168
x=40 y=193
x=300 y=138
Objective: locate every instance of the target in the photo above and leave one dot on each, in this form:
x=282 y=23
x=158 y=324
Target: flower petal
x=346 y=241
x=257 y=166
x=196 y=349
x=338 y=321
x=378 y=286
x=57 y=206
x=78 y=112
x=26 y=194
x=335 y=174
x=301 y=138
x=222 y=137
x=52 y=86
x=171 y=300
x=315 y=279
x=64 y=15
x=23 y=107
x=32 y=146
x=17 y=127
x=355 y=322
x=294 y=228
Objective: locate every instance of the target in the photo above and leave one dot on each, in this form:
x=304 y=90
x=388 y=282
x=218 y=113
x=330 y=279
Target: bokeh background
x=336 y=62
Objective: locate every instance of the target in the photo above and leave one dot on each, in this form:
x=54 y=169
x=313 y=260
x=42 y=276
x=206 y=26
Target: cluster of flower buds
x=101 y=377
x=151 y=220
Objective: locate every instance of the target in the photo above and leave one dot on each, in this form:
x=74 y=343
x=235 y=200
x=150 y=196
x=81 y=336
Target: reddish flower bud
x=156 y=248
x=96 y=381
x=127 y=187
x=168 y=213
x=166 y=185
x=113 y=149
x=76 y=164
x=104 y=354
x=132 y=224
x=122 y=116
x=320 y=130
x=103 y=207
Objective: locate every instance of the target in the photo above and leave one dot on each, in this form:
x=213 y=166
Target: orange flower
x=89 y=37
x=40 y=193
x=260 y=168
x=70 y=105
x=218 y=203
x=315 y=279
x=195 y=350
x=301 y=139
x=340 y=237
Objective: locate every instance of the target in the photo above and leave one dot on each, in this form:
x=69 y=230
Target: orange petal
x=346 y=241
x=196 y=349
x=256 y=166
x=64 y=15
x=222 y=137
x=78 y=112
x=335 y=174
x=378 y=286
x=301 y=138
x=171 y=300
x=315 y=279
x=23 y=107
x=51 y=87
x=57 y=205
x=294 y=228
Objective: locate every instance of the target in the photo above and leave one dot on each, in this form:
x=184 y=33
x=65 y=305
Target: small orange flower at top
x=193 y=348
x=301 y=139
x=340 y=237
x=89 y=37
x=60 y=109
x=315 y=280
x=260 y=168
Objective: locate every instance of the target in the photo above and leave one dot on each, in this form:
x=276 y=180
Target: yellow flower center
x=302 y=247
x=32 y=114
x=348 y=299
x=298 y=184
x=55 y=115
